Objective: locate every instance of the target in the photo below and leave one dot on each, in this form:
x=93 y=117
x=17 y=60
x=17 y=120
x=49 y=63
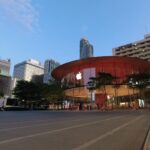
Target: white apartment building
x=27 y=70
x=140 y=49
x=49 y=66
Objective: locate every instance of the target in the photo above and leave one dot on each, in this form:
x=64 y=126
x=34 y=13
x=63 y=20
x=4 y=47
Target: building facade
x=75 y=75
x=86 y=49
x=5 y=79
x=140 y=49
x=49 y=66
x=29 y=70
x=5 y=67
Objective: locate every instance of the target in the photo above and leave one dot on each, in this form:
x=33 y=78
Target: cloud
x=22 y=11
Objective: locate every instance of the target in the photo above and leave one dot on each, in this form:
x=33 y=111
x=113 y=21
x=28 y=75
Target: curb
x=147 y=142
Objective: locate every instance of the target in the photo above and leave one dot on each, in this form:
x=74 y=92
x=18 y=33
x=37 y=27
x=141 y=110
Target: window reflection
x=71 y=80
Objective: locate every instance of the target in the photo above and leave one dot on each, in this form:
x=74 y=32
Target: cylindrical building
x=76 y=74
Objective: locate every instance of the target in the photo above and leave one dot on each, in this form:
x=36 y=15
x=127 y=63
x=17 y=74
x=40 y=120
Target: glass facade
x=71 y=80
x=75 y=75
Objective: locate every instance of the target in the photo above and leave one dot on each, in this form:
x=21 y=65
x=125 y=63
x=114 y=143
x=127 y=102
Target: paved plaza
x=47 y=130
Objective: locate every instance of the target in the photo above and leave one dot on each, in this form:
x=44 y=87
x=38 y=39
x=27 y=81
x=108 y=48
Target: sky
x=52 y=29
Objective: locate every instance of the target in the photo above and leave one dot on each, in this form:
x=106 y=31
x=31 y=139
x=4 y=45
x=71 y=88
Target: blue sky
x=44 y=29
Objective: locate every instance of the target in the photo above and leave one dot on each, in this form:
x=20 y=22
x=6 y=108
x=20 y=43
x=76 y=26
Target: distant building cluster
x=33 y=70
x=29 y=70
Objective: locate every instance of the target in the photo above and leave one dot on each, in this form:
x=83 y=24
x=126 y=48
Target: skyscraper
x=49 y=66
x=86 y=49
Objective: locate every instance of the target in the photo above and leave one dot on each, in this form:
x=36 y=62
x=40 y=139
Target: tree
x=35 y=93
x=53 y=92
x=25 y=90
x=1 y=94
x=102 y=80
x=139 y=81
x=28 y=92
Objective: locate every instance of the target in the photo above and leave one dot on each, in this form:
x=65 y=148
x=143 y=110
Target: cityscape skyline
x=52 y=29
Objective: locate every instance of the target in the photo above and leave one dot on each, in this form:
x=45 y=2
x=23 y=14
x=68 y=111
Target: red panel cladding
x=101 y=100
x=116 y=65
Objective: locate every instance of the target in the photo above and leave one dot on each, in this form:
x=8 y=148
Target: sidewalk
x=147 y=143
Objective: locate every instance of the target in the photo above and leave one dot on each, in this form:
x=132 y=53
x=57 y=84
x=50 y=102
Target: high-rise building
x=86 y=49
x=140 y=49
x=49 y=66
x=5 y=67
x=5 y=78
x=28 y=70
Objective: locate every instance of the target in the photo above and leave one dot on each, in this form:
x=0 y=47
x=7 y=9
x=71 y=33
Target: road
x=46 y=130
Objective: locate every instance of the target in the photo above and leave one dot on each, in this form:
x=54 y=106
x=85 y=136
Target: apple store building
x=75 y=75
